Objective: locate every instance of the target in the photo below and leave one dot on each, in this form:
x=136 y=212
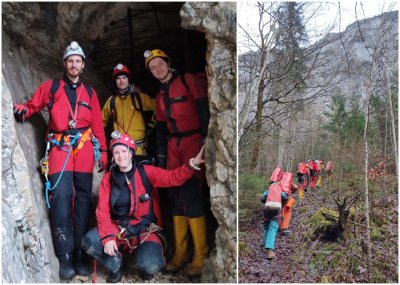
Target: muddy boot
x=199 y=236
x=270 y=254
x=115 y=277
x=66 y=266
x=146 y=276
x=181 y=243
x=81 y=262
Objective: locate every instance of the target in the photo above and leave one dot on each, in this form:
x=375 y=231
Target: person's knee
x=90 y=241
x=149 y=258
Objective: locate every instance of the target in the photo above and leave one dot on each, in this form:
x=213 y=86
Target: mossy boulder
x=322 y=223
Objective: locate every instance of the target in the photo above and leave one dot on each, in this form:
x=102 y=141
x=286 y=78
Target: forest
x=310 y=92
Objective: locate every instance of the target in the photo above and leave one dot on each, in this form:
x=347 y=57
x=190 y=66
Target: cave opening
x=146 y=26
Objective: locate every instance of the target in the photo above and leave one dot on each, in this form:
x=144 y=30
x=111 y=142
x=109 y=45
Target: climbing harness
x=68 y=143
x=153 y=228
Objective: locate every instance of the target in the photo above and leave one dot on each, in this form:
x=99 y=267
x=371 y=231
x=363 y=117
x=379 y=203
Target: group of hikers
x=278 y=200
x=128 y=211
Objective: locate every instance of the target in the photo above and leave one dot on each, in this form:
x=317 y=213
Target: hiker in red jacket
x=277 y=202
x=125 y=217
x=182 y=115
x=313 y=173
x=303 y=177
x=272 y=200
x=75 y=140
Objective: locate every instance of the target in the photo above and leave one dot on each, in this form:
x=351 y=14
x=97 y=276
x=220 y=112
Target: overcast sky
x=328 y=15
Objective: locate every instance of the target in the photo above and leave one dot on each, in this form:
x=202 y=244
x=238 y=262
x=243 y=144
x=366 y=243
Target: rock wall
x=218 y=22
x=27 y=249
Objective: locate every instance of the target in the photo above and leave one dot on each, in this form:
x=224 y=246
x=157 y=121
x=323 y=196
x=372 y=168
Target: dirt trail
x=286 y=268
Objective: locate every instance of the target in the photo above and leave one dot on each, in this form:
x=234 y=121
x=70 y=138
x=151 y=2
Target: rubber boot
x=115 y=277
x=199 y=235
x=181 y=244
x=67 y=270
x=81 y=262
x=301 y=192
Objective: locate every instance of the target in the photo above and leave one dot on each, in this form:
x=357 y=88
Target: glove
x=19 y=112
x=103 y=162
x=161 y=161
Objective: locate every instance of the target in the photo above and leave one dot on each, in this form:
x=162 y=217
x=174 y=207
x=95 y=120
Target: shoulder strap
x=139 y=99
x=112 y=108
x=182 y=77
x=146 y=118
x=89 y=90
x=53 y=89
x=145 y=179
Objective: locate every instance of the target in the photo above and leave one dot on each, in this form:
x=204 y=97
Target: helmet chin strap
x=165 y=77
x=124 y=91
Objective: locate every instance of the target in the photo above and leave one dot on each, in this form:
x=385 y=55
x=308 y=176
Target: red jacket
x=183 y=115
x=158 y=177
x=88 y=112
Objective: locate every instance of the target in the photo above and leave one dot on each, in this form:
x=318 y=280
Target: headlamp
x=119 y=66
x=147 y=54
x=74 y=45
x=115 y=135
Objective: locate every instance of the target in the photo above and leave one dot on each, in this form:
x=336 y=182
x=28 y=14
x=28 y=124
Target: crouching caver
x=125 y=220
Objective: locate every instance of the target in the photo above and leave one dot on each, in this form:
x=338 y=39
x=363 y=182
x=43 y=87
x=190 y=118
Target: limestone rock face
x=32 y=38
x=221 y=145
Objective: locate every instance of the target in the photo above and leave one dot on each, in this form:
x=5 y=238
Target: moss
x=320 y=221
x=375 y=232
x=243 y=249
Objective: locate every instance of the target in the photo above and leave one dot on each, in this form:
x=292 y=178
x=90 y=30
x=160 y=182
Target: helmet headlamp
x=119 y=66
x=115 y=135
x=147 y=54
x=74 y=45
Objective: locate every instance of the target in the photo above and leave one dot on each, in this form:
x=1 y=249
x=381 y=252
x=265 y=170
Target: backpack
x=54 y=87
x=286 y=182
x=146 y=115
x=302 y=168
x=200 y=76
x=276 y=176
x=274 y=199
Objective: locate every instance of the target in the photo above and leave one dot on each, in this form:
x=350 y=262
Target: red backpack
x=276 y=176
x=302 y=168
x=274 y=199
x=286 y=182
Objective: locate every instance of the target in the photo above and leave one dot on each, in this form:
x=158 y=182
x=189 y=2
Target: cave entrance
x=147 y=26
x=143 y=26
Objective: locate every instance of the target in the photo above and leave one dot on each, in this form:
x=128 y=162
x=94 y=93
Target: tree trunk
x=367 y=218
x=257 y=145
x=396 y=157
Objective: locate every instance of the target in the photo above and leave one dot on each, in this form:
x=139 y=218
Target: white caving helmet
x=74 y=48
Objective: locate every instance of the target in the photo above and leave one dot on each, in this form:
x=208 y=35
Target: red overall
x=313 y=173
x=183 y=115
x=107 y=227
x=73 y=190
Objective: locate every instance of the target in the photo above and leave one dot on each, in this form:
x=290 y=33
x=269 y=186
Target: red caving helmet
x=117 y=139
x=121 y=69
